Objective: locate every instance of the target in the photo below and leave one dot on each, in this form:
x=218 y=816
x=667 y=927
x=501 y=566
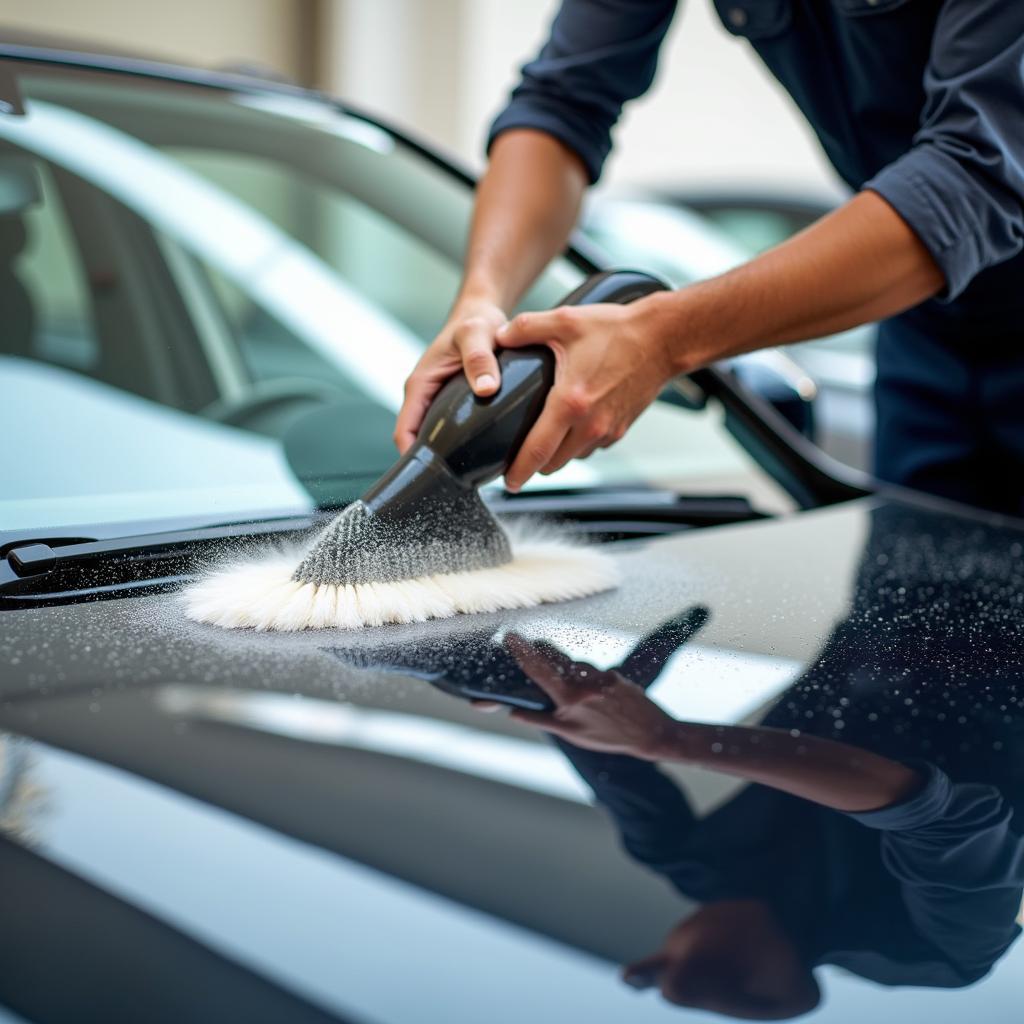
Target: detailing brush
x=420 y=543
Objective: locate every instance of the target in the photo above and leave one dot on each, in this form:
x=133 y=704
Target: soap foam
x=261 y=592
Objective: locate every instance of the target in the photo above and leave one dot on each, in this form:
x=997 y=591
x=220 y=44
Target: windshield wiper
x=51 y=570
x=609 y=513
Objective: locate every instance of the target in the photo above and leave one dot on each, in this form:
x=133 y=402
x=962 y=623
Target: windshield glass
x=211 y=300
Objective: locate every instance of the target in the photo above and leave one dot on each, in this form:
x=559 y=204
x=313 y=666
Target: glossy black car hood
x=309 y=827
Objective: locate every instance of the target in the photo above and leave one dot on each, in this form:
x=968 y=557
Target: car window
x=391 y=267
x=220 y=297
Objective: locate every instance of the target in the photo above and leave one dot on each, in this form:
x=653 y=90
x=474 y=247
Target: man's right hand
x=465 y=343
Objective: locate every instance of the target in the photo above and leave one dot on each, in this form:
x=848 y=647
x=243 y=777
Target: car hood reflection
x=889 y=630
x=922 y=892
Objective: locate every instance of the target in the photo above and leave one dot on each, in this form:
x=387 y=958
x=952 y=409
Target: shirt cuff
x=928 y=804
x=532 y=113
x=938 y=199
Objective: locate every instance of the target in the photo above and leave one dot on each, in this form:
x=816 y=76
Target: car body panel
x=245 y=788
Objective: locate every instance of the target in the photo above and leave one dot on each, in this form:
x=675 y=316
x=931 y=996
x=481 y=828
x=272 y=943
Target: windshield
x=211 y=300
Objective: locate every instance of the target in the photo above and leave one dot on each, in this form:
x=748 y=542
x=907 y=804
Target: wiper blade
x=39 y=570
x=56 y=570
x=611 y=513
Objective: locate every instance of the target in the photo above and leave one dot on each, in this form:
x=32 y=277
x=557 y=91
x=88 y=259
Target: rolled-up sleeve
x=958 y=854
x=961 y=186
x=600 y=53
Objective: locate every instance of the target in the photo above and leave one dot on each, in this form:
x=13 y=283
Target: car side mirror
x=775 y=378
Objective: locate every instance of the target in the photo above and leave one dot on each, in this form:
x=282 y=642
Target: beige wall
x=208 y=32
x=400 y=58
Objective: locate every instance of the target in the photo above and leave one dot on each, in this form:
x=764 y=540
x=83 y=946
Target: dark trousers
x=950 y=404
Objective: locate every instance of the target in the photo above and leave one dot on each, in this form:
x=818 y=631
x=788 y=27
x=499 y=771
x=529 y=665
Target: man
x=919 y=106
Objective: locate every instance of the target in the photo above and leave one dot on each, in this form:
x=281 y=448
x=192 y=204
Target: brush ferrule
x=418 y=520
x=418 y=471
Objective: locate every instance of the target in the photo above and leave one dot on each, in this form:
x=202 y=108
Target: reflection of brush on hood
x=420 y=543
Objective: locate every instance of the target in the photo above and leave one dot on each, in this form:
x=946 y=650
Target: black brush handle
x=621 y=286
x=479 y=437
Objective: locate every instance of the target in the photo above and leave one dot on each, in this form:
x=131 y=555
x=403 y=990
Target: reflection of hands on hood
x=598 y=710
x=602 y=711
x=651 y=812
x=607 y=711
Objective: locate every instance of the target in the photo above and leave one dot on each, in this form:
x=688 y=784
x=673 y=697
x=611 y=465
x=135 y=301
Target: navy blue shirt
x=921 y=101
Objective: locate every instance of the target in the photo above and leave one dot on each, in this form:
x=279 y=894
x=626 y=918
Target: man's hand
x=466 y=342
x=593 y=709
x=611 y=362
x=732 y=957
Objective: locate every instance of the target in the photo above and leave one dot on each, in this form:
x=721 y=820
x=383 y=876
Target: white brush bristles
x=262 y=595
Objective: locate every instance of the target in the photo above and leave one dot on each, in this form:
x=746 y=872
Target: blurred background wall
x=442 y=68
x=210 y=32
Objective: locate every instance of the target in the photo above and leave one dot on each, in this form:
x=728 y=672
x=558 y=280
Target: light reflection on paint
x=521 y=763
x=320 y=115
x=700 y=684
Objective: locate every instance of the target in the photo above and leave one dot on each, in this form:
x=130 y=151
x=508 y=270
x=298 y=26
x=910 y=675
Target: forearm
x=526 y=206
x=604 y=712
x=833 y=774
x=858 y=264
